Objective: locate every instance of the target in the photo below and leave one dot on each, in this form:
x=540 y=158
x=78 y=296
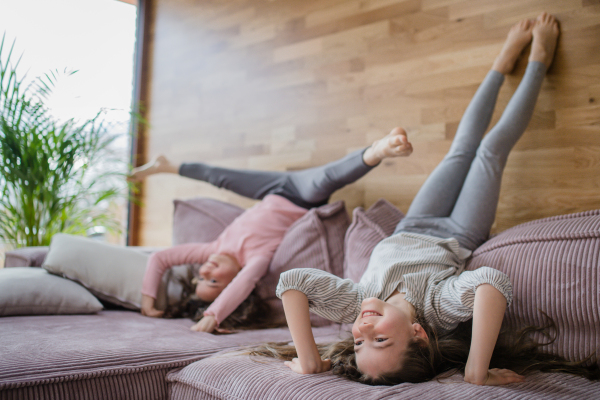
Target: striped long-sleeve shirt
x=427 y=269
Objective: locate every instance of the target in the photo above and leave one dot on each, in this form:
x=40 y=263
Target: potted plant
x=56 y=176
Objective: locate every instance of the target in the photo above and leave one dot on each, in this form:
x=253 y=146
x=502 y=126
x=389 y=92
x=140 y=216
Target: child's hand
x=497 y=376
x=206 y=324
x=295 y=366
x=148 y=308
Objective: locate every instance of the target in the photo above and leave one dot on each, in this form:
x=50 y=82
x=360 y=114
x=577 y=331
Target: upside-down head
x=214 y=275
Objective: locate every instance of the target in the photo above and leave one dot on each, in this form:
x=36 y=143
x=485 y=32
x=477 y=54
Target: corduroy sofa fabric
x=242 y=378
x=112 y=355
x=553 y=264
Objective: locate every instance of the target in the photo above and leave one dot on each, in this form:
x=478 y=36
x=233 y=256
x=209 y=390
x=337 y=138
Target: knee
x=459 y=154
x=491 y=157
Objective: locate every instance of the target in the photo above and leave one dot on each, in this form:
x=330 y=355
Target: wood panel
x=281 y=85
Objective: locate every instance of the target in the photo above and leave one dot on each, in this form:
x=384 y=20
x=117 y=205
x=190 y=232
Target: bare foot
x=518 y=37
x=545 y=36
x=160 y=164
x=394 y=144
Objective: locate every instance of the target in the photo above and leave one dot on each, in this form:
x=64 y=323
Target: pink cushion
x=367 y=229
x=314 y=241
x=553 y=264
x=201 y=220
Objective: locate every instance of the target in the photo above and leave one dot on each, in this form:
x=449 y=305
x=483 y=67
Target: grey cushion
x=33 y=291
x=112 y=273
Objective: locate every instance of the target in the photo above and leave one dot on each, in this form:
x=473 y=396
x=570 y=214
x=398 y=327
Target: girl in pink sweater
x=240 y=256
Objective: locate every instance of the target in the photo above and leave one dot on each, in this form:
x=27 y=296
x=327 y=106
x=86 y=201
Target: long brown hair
x=253 y=313
x=447 y=354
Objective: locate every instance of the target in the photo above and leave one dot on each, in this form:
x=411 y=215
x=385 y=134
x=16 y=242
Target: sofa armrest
x=26 y=257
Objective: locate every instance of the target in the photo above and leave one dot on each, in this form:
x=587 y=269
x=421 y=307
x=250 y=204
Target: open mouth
x=370 y=313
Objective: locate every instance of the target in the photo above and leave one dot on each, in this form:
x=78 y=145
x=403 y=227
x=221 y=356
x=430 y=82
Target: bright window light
x=94 y=37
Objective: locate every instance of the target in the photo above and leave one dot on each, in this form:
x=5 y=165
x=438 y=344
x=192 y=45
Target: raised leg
x=438 y=194
x=475 y=208
x=307 y=188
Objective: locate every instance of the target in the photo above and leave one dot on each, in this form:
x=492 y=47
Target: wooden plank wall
x=287 y=84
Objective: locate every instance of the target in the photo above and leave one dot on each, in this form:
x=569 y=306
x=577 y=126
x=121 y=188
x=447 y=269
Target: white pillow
x=112 y=273
x=33 y=291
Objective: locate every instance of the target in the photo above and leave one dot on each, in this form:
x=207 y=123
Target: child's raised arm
x=295 y=305
x=488 y=312
x=160 y=262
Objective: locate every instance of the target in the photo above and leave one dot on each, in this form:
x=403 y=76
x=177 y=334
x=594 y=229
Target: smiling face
x=215 y=274
x=382 y=333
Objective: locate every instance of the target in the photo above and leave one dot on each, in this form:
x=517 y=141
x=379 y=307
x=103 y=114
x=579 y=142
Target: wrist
x=476 y=377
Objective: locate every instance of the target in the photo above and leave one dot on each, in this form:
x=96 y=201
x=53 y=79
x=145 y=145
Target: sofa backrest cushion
x=33 y=291
x=201 y=220
x=367 y=229
x=554 y=265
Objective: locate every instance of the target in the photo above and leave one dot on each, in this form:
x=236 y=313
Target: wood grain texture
x=282 y=85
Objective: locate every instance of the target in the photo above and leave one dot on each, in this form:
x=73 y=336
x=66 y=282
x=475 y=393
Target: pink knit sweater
x=251 y=238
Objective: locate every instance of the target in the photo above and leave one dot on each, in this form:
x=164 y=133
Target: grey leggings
x=460 y=197
x=307 y=188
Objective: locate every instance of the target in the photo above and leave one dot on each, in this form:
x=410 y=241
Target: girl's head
x=214 y=275
x=386 y=338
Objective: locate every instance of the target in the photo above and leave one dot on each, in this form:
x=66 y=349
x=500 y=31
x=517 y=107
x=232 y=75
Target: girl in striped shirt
x=407 y=307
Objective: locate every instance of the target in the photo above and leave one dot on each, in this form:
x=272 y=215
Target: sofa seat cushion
x=201 y=220
x=240 y=377
x=554 y=266
x=111 y=355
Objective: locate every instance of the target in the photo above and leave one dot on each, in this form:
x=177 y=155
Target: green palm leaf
x=50 y=178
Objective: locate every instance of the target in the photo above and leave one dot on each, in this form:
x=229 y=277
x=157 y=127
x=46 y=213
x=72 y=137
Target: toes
x=545 y=18
x=542 y=17
x=398 y=131
x=395 y=141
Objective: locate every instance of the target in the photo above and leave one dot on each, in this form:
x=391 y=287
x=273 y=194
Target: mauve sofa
x=553 y=264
